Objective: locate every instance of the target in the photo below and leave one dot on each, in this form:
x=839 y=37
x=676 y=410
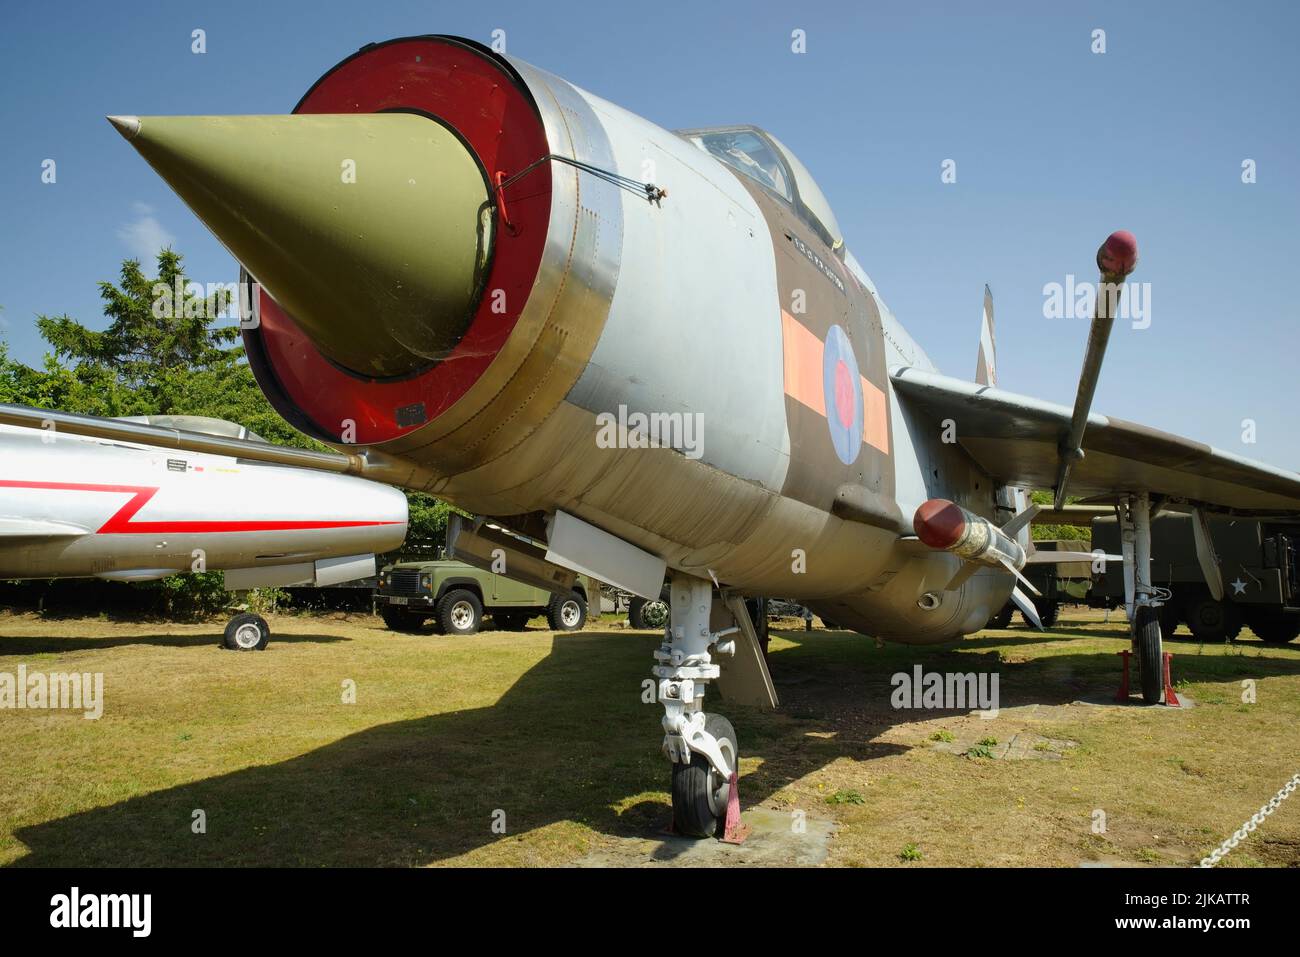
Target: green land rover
x=456 y=596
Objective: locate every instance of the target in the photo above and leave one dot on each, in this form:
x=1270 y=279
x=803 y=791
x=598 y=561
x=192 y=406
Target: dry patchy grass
x=551 y=729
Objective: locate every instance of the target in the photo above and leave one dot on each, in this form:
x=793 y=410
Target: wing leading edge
x=1017 y=440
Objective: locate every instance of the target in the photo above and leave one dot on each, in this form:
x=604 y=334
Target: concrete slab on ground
x=773 y=841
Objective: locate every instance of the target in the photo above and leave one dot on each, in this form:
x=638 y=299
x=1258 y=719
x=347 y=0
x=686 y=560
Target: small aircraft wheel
x=699 y=792
x=1003 y=618
x=568 y=613
x=459 y=612
x=1150 y=655
x=246 y=632
x=642 y=613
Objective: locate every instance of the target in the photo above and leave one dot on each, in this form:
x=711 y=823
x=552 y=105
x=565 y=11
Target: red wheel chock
x=733 y=832
x=1171 y=699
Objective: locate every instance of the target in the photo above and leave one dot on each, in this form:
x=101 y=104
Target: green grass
x=551 y=731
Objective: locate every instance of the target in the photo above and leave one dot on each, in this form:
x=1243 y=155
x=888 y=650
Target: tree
x=164 y=352
x=1072 y=533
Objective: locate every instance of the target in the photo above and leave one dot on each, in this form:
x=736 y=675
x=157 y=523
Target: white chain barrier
x=1255 y=821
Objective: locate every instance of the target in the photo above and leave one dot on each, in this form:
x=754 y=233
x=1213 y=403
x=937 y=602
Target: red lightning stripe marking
x=119 y=523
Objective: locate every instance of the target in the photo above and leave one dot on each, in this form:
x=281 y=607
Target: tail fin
x=986 y=366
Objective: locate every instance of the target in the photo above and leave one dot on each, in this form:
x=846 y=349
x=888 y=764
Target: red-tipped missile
x=940 y=523
x=948 y=527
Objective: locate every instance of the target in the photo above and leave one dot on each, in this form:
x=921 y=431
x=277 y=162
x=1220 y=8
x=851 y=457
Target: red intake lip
x=482 y=100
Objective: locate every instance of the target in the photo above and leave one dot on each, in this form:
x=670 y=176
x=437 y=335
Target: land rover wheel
x=399 y=619
x=567 y=613
x=460 y=612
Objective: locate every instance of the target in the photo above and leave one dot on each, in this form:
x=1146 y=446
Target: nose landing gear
x=702 y=746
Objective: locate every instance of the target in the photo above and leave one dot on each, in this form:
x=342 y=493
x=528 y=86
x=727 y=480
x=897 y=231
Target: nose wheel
x=701 y=791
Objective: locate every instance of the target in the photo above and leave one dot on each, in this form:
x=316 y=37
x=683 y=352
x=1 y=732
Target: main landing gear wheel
x=1151 y=661
x=699 y=792
x=246 y=632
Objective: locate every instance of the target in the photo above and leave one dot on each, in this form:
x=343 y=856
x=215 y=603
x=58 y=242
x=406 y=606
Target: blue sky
x=1055 y=147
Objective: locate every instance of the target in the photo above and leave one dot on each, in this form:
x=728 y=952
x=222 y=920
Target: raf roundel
x=842 y=387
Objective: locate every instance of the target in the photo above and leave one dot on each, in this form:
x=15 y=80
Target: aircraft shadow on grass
x=550 y=750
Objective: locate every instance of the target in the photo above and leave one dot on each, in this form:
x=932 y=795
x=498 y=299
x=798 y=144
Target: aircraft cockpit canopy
x=766 y=160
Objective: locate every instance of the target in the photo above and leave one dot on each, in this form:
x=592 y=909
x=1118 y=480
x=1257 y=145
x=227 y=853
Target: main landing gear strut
x=1144 y=613
x=702 y=746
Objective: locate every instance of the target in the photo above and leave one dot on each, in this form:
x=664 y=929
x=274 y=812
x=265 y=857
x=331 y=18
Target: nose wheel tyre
x=568 y=613
x=246 y=632
x=699 y=792
x=1151 y=662
x=460 y=612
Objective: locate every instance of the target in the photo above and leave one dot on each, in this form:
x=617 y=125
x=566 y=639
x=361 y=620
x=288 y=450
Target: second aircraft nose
x=373 y=230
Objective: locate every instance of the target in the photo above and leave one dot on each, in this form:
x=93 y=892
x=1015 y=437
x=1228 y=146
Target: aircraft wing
x=1017 y=440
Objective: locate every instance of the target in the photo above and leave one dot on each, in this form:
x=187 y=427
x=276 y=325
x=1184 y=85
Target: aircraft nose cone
x=939 y=523
x=128 y=126
x=373 y=230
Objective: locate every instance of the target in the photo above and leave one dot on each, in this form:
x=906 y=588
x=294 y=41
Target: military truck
x=1259 y=562
x=1059 y=584
x=457 y=596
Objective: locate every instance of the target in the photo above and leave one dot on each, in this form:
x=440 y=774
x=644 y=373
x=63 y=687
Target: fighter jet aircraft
x=122 y=509
x=649 y=353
